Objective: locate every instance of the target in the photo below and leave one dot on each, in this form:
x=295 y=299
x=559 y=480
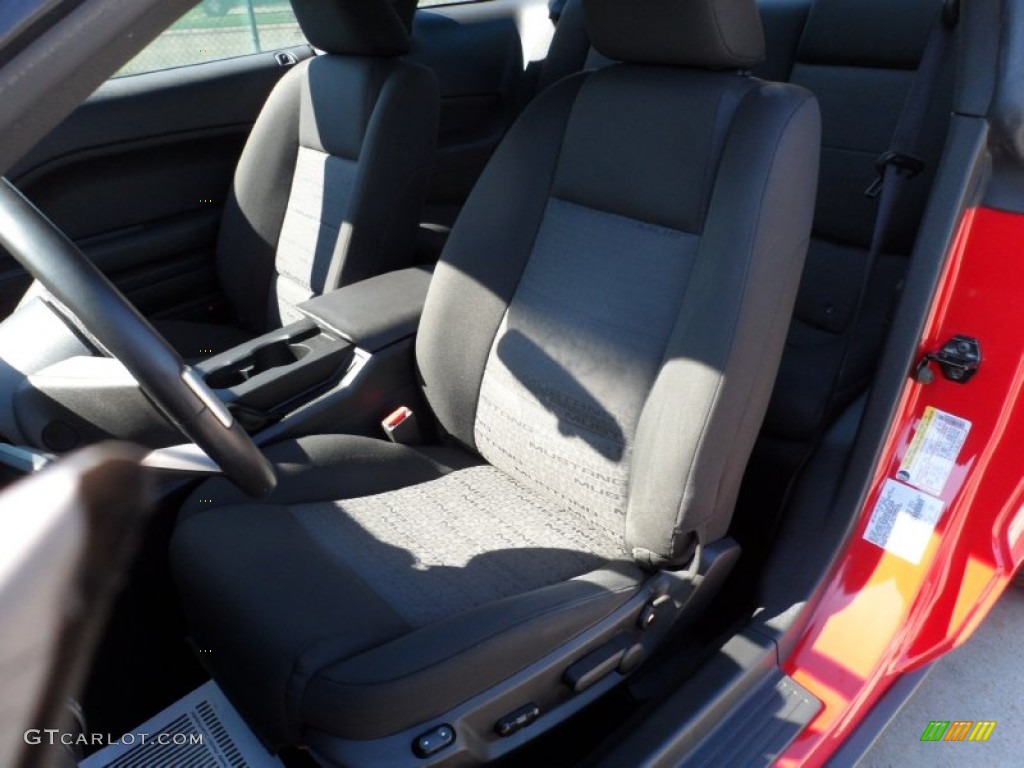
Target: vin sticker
x=903 y=520
x=934 y=450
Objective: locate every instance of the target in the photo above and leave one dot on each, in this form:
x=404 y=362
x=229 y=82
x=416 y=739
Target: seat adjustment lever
x=597 y=664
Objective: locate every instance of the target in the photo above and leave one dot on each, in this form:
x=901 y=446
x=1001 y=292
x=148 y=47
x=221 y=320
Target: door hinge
x=958 y=359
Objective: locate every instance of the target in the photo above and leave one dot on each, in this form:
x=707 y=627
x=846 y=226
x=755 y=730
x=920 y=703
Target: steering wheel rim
x=81 y=289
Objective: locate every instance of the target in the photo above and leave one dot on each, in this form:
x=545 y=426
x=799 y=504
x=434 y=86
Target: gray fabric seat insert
x=471 y=537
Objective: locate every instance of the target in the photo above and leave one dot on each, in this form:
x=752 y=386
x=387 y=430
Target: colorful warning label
x=933 y=451
x=903 y=520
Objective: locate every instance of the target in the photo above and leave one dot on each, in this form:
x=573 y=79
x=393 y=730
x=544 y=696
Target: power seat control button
x=517 y=720
x=433 y=741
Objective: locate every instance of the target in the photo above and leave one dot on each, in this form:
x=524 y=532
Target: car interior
x=528 y=346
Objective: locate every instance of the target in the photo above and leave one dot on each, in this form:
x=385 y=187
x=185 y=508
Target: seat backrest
x=330 y=185
x=606 y=319
x=570 y=50
x=859 y=57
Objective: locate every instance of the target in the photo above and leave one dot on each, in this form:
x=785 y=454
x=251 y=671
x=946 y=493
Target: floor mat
x=200 y=730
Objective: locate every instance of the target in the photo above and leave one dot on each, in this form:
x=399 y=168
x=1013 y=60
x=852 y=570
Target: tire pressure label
x=933 y=451
x=903 y=520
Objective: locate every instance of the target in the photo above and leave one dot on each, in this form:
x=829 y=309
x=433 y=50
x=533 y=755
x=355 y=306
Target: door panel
x=137 y=176
x=166 y=266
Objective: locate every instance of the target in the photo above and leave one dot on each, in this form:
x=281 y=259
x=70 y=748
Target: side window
x=219 y=29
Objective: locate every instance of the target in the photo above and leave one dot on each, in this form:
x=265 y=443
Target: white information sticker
x=903 y=520
x=934 y=450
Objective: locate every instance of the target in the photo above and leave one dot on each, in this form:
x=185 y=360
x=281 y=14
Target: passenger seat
x=859 y=57
x=330 y=185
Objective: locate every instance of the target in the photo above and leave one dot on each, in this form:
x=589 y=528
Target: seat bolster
x=395 y=163
x=478 y=274
x=427 y=672
x=254 y=211
x=570 y=46
x=321 y=467
x=258 y=590
x=729 y=337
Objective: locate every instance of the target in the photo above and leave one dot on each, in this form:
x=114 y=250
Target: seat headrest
x=357 y=27
x=705 y=34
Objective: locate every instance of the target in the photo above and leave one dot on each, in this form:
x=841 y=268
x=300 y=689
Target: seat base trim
x=541 y=683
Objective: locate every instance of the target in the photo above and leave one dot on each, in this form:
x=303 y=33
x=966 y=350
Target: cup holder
x=277 y=354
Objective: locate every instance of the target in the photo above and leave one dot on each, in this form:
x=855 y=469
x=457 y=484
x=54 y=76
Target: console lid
x=376 y=312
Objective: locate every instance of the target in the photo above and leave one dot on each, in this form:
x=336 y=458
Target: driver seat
x=598 y=346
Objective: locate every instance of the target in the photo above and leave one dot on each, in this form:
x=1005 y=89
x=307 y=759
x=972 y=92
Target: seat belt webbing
x=898 y=165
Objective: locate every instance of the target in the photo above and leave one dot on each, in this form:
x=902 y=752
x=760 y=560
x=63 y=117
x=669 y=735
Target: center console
x=285 y=371
x=349 y=358
x=265 y=378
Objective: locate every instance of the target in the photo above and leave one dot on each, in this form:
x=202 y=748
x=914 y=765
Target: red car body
x=878 y=616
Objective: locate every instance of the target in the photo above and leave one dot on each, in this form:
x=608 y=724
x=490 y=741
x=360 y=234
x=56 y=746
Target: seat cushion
x=471 y=537
x=196 y=341
x=430 y=567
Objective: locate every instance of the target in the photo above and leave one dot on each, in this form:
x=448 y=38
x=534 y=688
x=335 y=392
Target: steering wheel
x=80 y=289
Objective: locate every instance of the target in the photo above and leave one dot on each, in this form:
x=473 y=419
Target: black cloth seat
x=330 y=184
x=862 y=75
x=357 y=650
x=598 y=345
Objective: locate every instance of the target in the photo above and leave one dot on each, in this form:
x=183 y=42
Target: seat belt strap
x=898 y=165
x=895 y=166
